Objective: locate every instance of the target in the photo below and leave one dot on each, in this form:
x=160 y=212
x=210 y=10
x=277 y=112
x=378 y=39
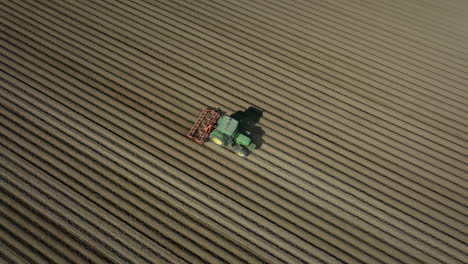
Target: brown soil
x=363 y=158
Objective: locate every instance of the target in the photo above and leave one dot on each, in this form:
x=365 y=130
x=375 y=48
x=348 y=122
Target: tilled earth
x=363 y=156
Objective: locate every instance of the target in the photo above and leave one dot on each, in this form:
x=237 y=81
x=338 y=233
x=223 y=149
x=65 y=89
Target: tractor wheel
x=240 y=151
x=217 y=140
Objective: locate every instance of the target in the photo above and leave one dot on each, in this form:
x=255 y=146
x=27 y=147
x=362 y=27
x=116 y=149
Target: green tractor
x=227 y=135
x=230 y=132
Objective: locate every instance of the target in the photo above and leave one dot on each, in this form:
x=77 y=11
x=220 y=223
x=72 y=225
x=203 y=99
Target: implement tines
x=204 y=125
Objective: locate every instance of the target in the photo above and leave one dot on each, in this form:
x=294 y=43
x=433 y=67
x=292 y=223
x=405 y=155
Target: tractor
x=231 y=132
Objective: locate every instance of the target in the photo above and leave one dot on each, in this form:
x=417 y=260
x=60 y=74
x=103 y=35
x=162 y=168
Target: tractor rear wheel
x=240 y=151
x=217 y=140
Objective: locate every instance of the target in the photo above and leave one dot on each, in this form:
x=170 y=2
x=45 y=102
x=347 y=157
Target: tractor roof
x=227 y=125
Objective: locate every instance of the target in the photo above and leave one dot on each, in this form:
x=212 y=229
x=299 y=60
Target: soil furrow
x=362 y=145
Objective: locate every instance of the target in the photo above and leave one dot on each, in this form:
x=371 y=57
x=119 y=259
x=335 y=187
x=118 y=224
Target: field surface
x=363 y=154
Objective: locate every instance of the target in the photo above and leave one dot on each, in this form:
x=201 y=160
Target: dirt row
x=97 y=98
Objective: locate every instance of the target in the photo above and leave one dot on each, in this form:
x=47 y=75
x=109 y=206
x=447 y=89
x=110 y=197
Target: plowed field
x=364 y=134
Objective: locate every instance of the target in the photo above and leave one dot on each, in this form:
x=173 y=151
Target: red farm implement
x=205 y=124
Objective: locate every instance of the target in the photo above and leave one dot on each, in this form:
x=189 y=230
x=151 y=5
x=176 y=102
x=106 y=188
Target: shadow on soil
x=248 y=121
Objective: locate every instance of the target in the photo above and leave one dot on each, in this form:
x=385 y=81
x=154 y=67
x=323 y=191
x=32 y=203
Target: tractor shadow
x=248 y=121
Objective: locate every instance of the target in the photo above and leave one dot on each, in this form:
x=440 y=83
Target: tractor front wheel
x=241 y=151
